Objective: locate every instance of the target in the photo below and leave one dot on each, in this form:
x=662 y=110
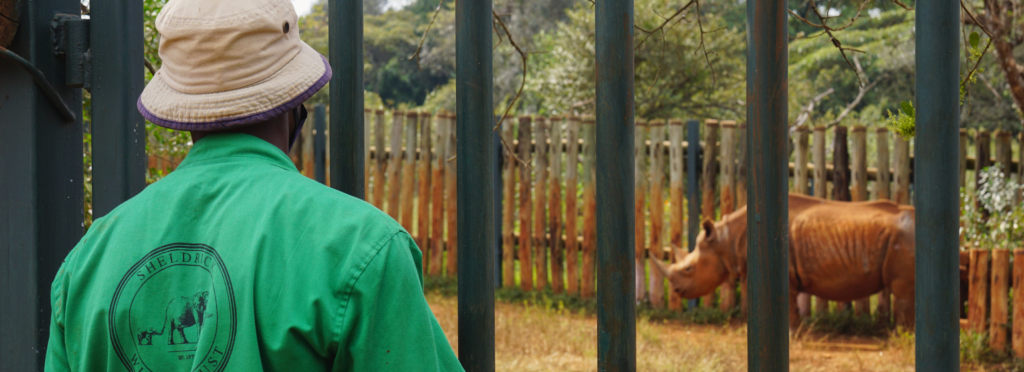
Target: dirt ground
x=535 y=338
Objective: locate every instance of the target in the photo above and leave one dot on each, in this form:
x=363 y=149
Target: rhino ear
x=709 y=229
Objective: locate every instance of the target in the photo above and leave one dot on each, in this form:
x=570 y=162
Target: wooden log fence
x=411 y=175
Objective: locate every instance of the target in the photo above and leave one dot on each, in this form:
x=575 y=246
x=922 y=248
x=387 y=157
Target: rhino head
x=698 y=273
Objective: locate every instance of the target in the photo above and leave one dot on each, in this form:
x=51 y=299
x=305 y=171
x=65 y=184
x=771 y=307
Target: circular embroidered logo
x=174 y=308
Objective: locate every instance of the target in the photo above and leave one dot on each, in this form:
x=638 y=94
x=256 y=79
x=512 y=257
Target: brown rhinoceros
x=838 y=251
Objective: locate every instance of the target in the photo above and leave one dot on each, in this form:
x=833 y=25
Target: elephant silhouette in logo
x=182 y=312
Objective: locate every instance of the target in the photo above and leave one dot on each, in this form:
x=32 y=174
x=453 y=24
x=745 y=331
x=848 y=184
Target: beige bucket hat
x=228 y=63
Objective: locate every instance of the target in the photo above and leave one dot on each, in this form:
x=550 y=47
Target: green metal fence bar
x=616 y=314
x=346 y=55
x=40 y=187
x=118 y=129
x=767 y=246
x=474 y=169
x=936 y=188
x=693 y=169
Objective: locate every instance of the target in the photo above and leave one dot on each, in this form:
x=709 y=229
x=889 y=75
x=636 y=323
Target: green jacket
x=236 y=262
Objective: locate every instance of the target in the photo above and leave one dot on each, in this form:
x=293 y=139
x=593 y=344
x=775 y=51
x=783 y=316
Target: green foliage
x=815 y=65
x=903 y=122
x=1004 y=227
x=389 y=39
x=974 y=349
x=672 y=73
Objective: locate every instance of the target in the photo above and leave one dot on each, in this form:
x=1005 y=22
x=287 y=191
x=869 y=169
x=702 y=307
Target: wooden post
x=525 y=206
x=395 y=165
x=820 y=190
x=379 y=160
x=540 y=155
x=555 y=206
x=639 y=195
x=901 y=149
x=307 y=151
x=437 y=189
x=1000 y=319
x=820 y=168
x=589 y=206
x=982 y=143
x=801 y=182
x=802 y=186
x=841 y=166
x=423 y=195
x=572 y=246
x=409 y=171
x=728 y=167
x=1020 y=166
x=963 y=157
x=859 y=186
x=741 y=165
x=883 y=311
x=841 y=177
x=1018 y=303
x=709 y=183
x=675 y=187
x=451 y=183
x=727 y=291
x=367 y=129
x=977 y=310
x=1004 y=153
x=655 y=250
x=508 y=246
x=883 y=175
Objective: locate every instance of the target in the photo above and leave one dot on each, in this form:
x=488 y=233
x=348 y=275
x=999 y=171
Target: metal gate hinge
x=71 y=41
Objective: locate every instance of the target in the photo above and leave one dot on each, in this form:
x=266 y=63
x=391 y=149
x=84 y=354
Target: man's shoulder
x=335 y=213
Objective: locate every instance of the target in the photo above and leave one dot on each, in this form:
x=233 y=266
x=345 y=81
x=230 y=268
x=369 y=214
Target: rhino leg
x=903 y=291
x=638 y=279
x=803 y=301
x=794 y=311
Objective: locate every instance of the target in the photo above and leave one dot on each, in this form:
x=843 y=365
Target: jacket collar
x=222 y=146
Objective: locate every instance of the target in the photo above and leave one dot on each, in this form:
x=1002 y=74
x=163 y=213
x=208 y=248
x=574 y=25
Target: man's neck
x=276 y=131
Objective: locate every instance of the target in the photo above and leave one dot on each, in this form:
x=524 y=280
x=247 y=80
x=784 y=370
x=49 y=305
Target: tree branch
x=419 y=48
x=805 y=113
x=524 y=57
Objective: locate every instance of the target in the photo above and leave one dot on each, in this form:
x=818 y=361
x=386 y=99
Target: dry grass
x=537 y=338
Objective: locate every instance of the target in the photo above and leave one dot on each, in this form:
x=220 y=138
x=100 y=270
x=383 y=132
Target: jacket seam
x=349 y=287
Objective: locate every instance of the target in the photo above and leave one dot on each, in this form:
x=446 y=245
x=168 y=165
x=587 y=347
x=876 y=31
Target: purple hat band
x=248 y=119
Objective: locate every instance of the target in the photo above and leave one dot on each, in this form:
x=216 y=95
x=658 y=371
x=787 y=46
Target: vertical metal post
x=475 y=185
x=936 y=188
x=320 y=143
x=616 y=317
x=40 y=187
x=346 y=56
x=693 y=168
x=767 y=202
x=118 y=130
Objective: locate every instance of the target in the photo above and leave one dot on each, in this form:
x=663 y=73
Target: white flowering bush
x=1004 y=227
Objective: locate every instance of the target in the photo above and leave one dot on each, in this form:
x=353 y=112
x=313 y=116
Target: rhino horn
x=678 y=254
x=660 y=265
